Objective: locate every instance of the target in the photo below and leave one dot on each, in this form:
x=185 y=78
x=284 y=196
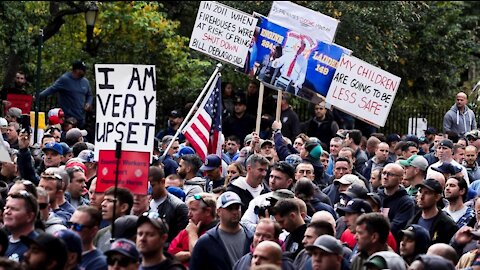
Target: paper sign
x=303 y=20
x=222 y=32
x=362 y=90
x=23 y=102
x=132 y=172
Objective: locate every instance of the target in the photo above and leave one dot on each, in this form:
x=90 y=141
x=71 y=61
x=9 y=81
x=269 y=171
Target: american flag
x=204 y=131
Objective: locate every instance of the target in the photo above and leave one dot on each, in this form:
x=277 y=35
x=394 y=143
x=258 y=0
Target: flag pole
x=185 y=120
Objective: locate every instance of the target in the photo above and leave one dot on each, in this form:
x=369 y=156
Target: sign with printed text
x=293 y=62
x=362 y=90
x=132 y=172
x=303 y=20
x=126 y=112
x=222 y=32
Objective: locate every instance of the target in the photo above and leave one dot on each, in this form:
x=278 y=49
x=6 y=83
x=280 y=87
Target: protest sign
x=303 y=20
x=289 y=61
x=21 y=101
x=223 y=33
x=363 y=90
x=126 y=111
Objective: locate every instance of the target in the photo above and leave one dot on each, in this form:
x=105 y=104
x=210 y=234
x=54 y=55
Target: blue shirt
x=93 y=260
x=16 y=249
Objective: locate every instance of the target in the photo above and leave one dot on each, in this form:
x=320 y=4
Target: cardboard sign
x=303 y=20
x=21 y=101
x=132 y=172
x=362 y=90
x=126 y=111
x=223 y=33
x=290 y=61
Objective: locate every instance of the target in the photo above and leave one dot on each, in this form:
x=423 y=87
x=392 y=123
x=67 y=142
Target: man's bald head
x=267 y=252
x=396 y=168
x=445 y=251
x=437 y=176
x=325 y=216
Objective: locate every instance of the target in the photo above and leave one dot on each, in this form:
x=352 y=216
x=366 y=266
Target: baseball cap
x=228 y=198
x=314 y=148
x=347 y=179
x=54 y=146
x=413 y=231
x=154 y=219
x=264 y=142
x=447 y=143
x=79 y=65
x=124 y=247
x=356 y=191
x=416 y=161
x=430 y=131
x=125 y=226
x=240 y=99
x=355 y=206
x=327 y=243
x=283 y=193
x=72 y=241
x=15 y=112
x=247 y=139
x=75 y=133
x=375 y=198
x=74 y=162
x=422 y=140
x=393 y=138
x=184 y=150
x=53 y=246
x=293 y=159
x=3 y=122
x=175 y=113
x=436 y=262
x=177 y=192
x=86 y=156
x=473 y=134
x=54 y=120
x=432 y=185
x=212 y=162
x=447 y=167
x=66 y=149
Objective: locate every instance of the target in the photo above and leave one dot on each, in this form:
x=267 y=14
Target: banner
x=303 y=20
x=293 y=62
x=222 y=32
x=126 y=111
x=362 y=90
x=21 y=101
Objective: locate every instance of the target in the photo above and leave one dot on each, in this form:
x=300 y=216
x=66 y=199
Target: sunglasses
x=121 y=261
x=77 y=227
x=199 y=198
x=155 y=218
x=42 y=206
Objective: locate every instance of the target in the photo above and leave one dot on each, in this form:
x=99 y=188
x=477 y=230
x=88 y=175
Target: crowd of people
x=310 y=195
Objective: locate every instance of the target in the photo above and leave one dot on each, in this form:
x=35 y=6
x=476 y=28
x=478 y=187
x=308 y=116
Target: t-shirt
x=93 y=260
x=456 y=215
x=17 y=248
x=155 y=203
x=167 y=264
x=426 y=223
x=234 y=244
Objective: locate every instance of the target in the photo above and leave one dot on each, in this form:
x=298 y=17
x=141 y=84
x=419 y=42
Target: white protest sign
x=363 y=90
x=303 y=20
x=223 y=32
x=126 y=107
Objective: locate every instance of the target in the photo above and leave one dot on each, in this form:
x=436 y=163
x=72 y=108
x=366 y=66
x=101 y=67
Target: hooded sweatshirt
x=194 y=186
x=458 y=122
x=399 y=207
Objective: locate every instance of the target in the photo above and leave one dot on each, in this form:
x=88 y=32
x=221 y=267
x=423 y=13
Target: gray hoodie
x=193 y=186
x=458 y=122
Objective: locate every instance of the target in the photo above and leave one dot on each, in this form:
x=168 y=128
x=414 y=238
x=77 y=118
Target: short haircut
x=15 y=125
x=407 y=145
x=457 y=146
x=462 y=184
x=277 y=228
x=345 y=160
x=284 y=167
x=285 y=207
x=93 y=212
x=233 y=138
x=375 y=223
x=29 y=186
x=207 y=200
x=256 y=158
x=193 y=161
x=355 y=135
x=46 y=135
x=321 y=227
x=78 y=147
x=156 y=174
x=123 y=195
x=380 y=136
x=31 y=203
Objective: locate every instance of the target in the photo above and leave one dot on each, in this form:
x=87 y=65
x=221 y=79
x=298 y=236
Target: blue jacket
x=283 y=149
x=400 y=207
x=73 y=95
x=210 y=252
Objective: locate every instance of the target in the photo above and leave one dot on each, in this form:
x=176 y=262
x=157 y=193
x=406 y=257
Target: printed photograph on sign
x=289 y=61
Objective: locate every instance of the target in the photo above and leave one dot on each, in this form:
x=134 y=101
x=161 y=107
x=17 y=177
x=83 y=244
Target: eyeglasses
x=122 y=261
x=42 y=206
x=77 y=227
x=389 y=174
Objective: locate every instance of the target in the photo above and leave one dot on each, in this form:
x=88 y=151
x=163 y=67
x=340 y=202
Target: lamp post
x=90 y=18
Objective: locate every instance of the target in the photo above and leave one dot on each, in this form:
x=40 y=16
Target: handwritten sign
x=126 y=111
x=223 y=32
x=303 y=20
x=363 y=90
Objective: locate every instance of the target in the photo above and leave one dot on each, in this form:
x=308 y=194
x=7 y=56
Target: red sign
x=23 y=102
x=132 y=171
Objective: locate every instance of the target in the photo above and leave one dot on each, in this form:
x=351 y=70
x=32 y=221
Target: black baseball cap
x=432 y=185
x=356 y=205
x=79 y=65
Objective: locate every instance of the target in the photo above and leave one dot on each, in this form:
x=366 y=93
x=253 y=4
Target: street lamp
x=90 y=18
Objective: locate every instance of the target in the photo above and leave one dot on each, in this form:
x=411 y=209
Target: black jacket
x=400 y=209
x=175 y=213
x=443 y=227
